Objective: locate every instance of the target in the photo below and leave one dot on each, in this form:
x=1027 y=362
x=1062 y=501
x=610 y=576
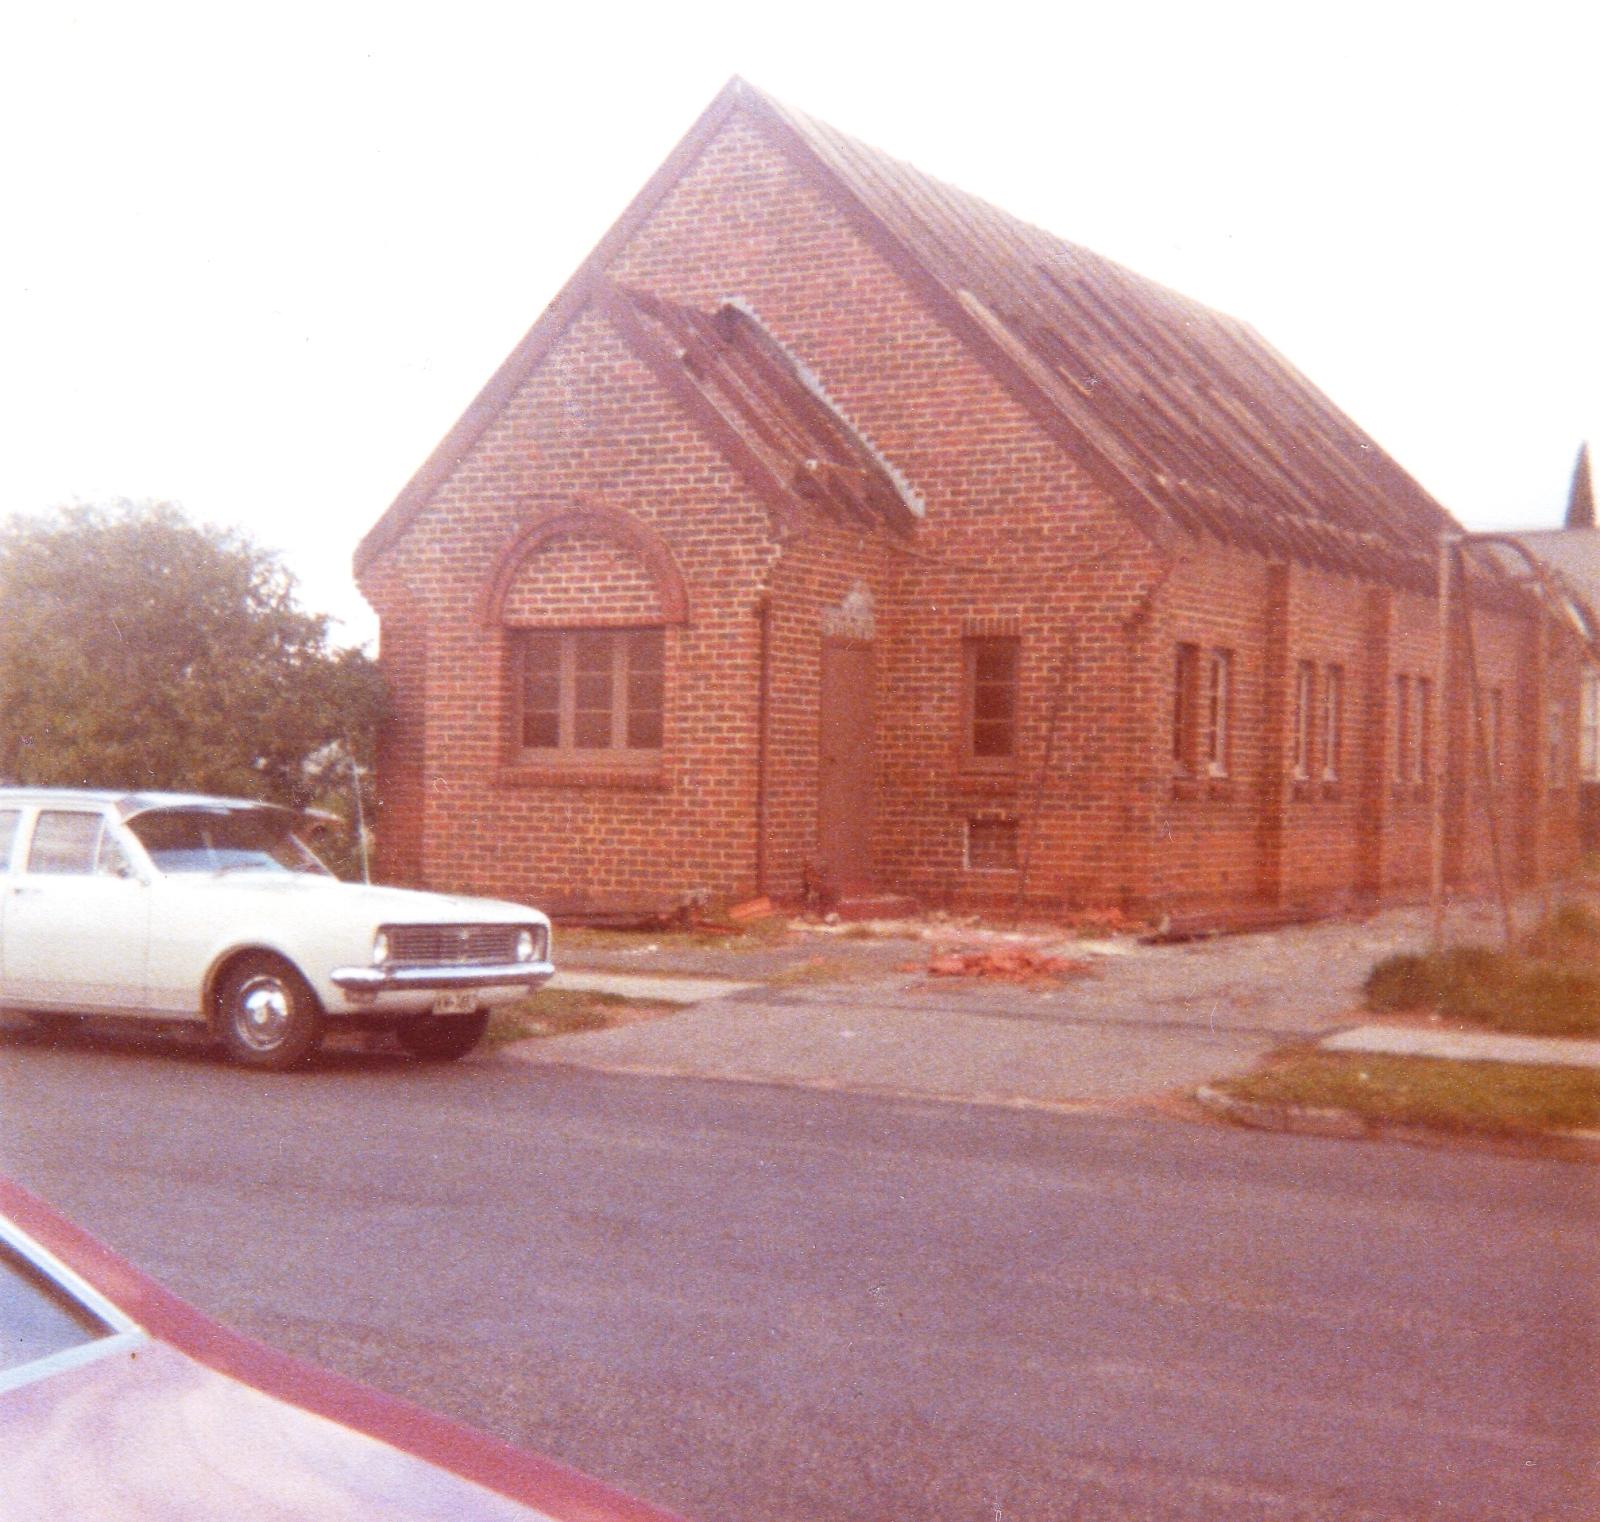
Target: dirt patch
x=1008 y=964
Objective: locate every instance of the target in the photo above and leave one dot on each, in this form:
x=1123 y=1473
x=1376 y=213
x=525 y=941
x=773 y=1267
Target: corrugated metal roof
x=1184 y=415
x=1185 y=409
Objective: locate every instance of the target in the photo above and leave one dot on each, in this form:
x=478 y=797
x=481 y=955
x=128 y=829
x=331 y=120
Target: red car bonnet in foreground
x=119 y=1401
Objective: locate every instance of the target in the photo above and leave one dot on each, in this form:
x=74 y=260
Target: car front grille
x=459 y=945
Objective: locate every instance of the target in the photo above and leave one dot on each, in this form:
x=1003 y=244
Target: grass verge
x=1499 y=1098
x=1548 y=985
x=562 y=1011
x=768 y=930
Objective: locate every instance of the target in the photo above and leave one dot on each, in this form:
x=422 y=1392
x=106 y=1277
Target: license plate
x=455 y=1004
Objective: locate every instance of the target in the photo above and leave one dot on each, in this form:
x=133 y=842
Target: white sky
x=258 y=259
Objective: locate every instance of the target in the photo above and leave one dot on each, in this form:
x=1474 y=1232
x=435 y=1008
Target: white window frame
x=1305 y=696
x=1219 y=712
x=1402 y=728
x=1332 y=721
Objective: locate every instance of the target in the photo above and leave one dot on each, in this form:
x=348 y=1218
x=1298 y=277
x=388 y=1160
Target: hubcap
x=264 y=1013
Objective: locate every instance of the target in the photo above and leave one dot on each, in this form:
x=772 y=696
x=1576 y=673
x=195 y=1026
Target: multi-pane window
x=1305 y=686
x=1219 y=712
x=1202 y=711
x=1413 y=731
x=1332 y=722
x=991 y=671
x=590 y=693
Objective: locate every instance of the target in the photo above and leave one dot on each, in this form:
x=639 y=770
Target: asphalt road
x=759 y=1303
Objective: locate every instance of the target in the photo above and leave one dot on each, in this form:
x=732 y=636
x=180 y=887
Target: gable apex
x=1188 y=421
x=552 y=322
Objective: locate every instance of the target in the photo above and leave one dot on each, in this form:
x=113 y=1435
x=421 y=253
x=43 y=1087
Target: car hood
x=154 y=1434
x=394 y=906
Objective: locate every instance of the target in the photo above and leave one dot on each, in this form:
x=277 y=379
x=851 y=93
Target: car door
x=76 y=917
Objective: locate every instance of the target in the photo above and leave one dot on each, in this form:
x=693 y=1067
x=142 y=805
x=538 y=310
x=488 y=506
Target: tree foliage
x=139 y=650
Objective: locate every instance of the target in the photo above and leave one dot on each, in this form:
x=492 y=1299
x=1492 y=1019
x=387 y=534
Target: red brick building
x=834 y=530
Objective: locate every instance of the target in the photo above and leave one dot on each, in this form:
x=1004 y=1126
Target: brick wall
x=1016 y=541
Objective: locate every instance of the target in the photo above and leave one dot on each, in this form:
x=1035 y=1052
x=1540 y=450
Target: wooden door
x=845 y=767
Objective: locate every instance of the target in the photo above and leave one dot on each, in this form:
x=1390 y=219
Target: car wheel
x=443 y=1038
x=267 y=1015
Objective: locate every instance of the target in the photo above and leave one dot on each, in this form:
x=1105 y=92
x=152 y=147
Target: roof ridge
x=1177 y=383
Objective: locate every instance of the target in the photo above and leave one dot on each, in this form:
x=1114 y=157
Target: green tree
x=140 y=650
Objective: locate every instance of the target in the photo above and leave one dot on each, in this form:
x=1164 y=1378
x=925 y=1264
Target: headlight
x=380 y=949
x=527 y=946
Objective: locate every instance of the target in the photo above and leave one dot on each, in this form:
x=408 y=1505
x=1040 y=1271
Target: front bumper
x=383 y=980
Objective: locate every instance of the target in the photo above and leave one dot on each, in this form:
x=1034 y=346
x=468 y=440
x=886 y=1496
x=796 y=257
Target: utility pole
x=1438 y=731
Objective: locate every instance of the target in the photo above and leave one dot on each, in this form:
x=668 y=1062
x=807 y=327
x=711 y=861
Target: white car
x=167 y=906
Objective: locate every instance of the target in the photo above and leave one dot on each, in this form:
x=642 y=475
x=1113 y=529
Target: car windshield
x=223 y=840
x=38 y=1319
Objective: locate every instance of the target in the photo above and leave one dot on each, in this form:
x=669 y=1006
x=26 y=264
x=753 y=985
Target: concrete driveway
x=837 y=1011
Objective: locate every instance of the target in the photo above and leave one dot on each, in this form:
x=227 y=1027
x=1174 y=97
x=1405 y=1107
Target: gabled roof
x=1184 y=416
x=1174 y=407
x=765 y=409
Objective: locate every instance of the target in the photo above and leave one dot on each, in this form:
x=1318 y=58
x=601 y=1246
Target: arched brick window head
x=582 y=600
x=638 y=551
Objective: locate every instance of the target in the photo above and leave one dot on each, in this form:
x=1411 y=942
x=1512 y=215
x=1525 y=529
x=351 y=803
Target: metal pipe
x=763 y=706
x=1437 y=731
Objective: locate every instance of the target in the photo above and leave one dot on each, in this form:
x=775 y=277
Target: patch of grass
x=561 y=1012
x=1488 y=1097
x=1548 y=986
x=769 y=930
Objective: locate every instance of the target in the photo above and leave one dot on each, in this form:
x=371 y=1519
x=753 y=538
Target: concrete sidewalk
x=936 y=1053
x=1466 y=1046
x=841 y=1012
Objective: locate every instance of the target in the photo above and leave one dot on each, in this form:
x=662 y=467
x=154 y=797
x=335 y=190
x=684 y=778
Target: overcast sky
x=258 y=259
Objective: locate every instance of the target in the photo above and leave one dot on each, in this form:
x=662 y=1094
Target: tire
x=443 y=1038
x=267 y=1015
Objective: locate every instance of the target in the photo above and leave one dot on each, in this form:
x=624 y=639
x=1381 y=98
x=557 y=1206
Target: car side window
x=65 y=843
x=112 y=860
x=8 y=834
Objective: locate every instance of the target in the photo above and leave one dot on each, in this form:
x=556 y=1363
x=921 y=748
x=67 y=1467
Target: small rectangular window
x=1424 y=753
x=1305 y=684
x=991 y=666
x=1219 y=715
x=1402 y=729
x=1185 y=706
x=8 y=834
x=1332 y=722
x=1556 y=739
x=992 y=844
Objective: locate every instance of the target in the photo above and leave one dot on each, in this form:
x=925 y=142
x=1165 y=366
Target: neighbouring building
x=1573 y=551
x=835 y=533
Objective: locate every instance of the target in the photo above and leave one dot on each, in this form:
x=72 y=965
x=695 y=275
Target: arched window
x=583 y=601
